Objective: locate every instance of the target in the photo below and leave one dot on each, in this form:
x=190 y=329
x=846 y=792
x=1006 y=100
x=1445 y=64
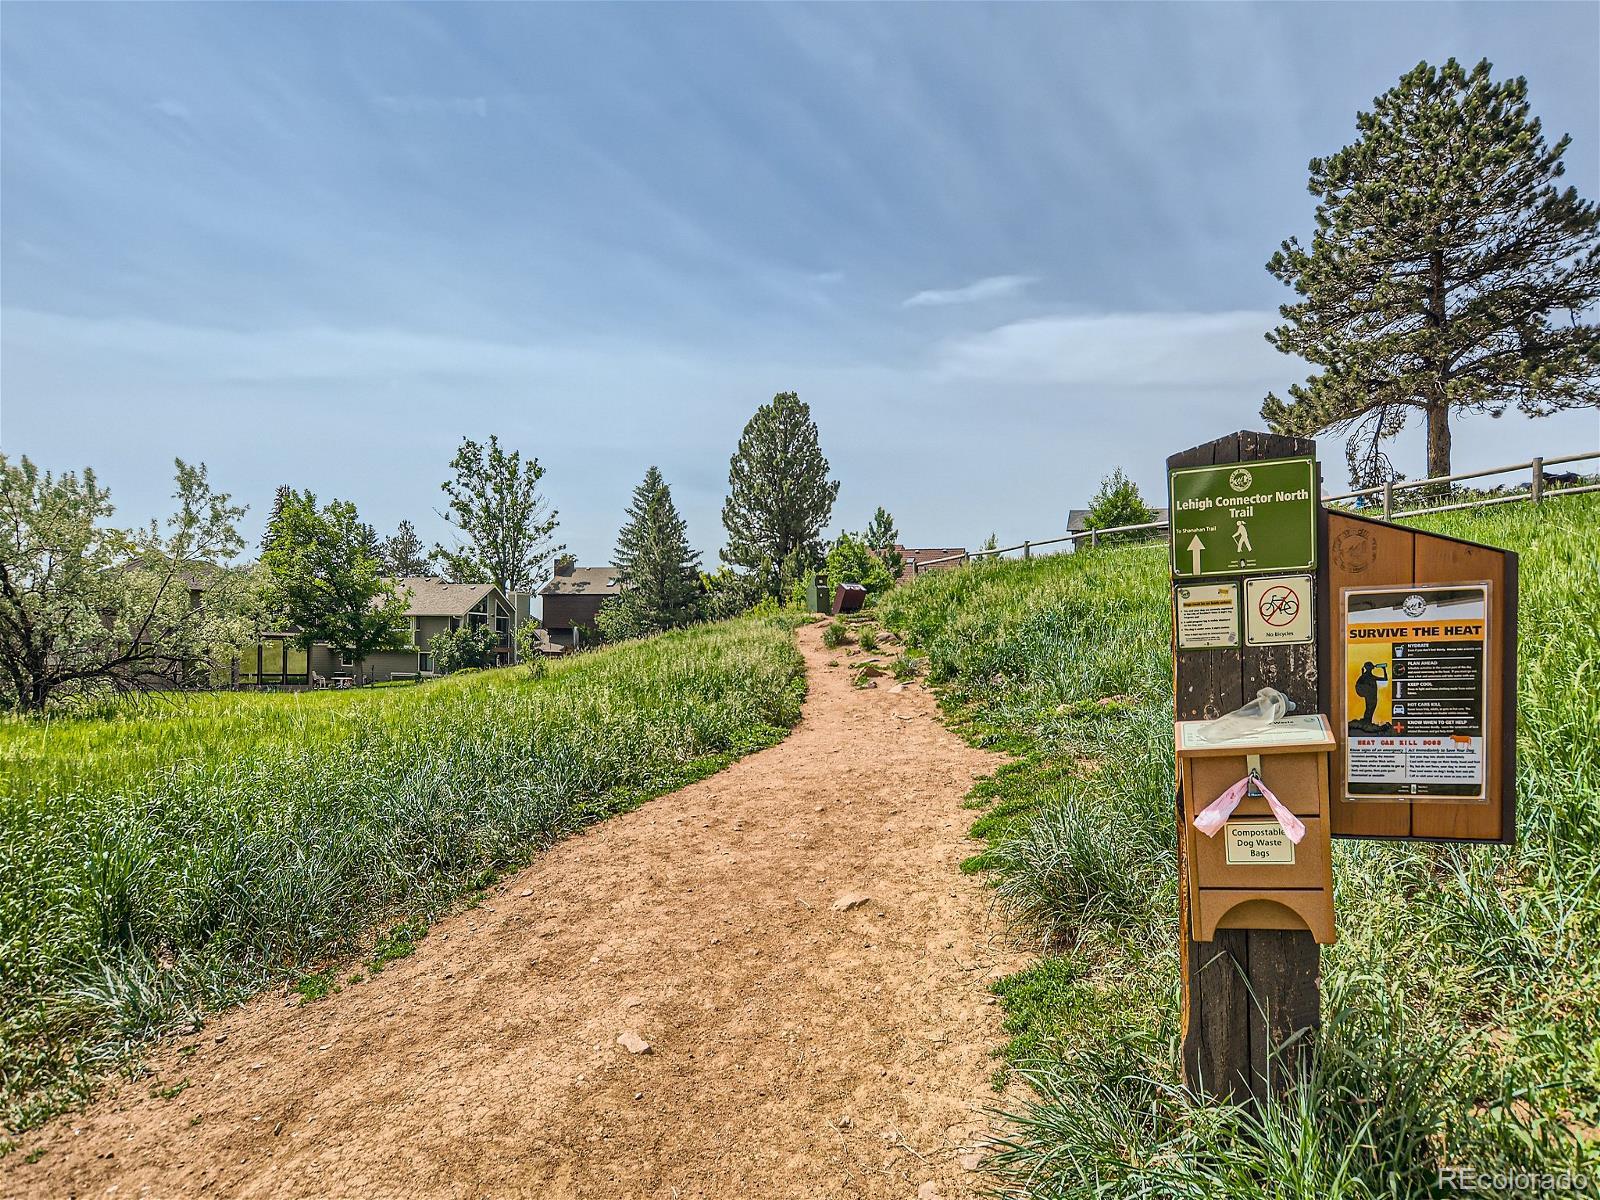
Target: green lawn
x=1462 y=1001
x=165 y=856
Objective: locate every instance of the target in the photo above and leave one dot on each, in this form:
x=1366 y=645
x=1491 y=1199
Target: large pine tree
x=659 y=573
x=1447 y=271
x=779 y=495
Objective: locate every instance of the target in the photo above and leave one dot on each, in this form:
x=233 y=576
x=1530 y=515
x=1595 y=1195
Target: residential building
x=571 y=601
x=1077 y=520
x=918 y=559
x=435 y=606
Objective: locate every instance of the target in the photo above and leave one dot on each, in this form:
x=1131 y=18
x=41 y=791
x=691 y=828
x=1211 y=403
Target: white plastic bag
x=1269 y=705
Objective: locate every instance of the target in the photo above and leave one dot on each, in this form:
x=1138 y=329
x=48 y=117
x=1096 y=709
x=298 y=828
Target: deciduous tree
x=86 y=607
x=1116 y=504
x=779 y=495
x=505 y=524
x=851 y=560
x=328 y=582
x=1448 y=271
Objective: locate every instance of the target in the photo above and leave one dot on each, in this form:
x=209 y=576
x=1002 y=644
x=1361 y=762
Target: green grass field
x=167 y=856
x=1462 y=1001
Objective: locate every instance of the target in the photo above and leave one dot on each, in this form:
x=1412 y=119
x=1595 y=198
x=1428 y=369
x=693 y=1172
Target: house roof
x=1077 y=516
x=583 y=581
x=435 y=597
x=921 y=554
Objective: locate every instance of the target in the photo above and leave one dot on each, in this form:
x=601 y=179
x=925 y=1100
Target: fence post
x=1388 y=499
x=1536 y=488
x=1027 y=549
x=1094 y=538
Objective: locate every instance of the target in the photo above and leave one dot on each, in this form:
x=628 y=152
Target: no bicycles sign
x=1278 y=610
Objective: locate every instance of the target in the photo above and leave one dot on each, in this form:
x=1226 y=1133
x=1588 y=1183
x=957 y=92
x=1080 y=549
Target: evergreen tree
x=1116 y=504
x=504 y=521
x=403 y=552
x=659 y=572
x=1447 y=271
x=279 y=498
x=881 y=537
x=779 y=495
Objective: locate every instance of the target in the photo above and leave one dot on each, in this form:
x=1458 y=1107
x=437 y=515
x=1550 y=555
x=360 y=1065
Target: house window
x=424 y=661
x=346 y=661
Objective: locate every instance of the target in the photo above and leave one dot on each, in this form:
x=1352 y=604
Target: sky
x=998 y=249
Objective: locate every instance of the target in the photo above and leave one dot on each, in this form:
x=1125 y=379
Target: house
x=572 y=600
x=435 y=606
x=1077 y=519
x=917 y=559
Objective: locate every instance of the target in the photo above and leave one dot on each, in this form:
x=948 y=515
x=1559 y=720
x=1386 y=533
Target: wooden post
x=1536 y=486
x=1388 y=499
x=1249 y=991
x=1027 y=549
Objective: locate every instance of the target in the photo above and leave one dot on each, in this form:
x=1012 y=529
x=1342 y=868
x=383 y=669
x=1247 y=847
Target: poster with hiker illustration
x=1414 y=692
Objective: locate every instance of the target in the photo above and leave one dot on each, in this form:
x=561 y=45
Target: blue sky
x=998 y=249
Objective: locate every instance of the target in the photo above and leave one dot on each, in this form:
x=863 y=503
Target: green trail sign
x=1244 y=518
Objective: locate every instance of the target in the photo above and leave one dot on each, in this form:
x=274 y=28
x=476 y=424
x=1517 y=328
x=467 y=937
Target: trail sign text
x=1245 y=517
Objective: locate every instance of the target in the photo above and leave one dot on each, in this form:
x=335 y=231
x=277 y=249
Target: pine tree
x=659 y=573
x=881 y=538
x=280 y=497
x=779 y=495
x=403 y=552
x=1447 y=271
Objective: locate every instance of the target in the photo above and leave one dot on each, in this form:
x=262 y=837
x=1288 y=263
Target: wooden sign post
x=1246 y=992
x=1398 y=648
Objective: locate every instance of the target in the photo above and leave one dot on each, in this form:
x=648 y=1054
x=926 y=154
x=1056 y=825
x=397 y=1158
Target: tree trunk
x=1438 y=439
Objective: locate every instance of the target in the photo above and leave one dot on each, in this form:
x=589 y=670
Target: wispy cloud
x=994 y=287
x=1121 y=349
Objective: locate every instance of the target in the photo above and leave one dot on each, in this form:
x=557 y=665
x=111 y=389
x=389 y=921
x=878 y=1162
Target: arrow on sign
x=1195 y=546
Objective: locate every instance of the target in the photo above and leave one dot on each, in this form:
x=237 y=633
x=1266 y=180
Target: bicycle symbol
x=1279 y=605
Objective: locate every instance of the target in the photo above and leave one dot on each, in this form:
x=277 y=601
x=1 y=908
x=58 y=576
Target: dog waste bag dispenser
x=1256 y=827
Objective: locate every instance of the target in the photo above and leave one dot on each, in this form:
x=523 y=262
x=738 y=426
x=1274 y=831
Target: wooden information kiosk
x=1397 y=649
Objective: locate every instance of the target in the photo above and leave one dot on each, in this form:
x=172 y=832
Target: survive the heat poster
x=1414 y=660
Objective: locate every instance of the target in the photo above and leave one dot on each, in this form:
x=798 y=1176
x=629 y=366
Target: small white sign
x=1278 y=610
x=1257 y=843
x=1208 y=616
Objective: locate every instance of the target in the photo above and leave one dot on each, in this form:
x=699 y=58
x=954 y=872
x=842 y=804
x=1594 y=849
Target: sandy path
x=797 y=1051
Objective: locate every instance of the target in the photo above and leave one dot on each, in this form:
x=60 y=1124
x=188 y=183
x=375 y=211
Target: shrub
x=850 y=561
x=835 y=635
x=470 y=647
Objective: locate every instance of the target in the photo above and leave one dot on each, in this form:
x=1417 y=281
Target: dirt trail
x=796 y=1050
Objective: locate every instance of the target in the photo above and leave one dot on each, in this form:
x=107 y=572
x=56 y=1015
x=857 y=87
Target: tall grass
x=1462 y=1002
x=164 y=857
